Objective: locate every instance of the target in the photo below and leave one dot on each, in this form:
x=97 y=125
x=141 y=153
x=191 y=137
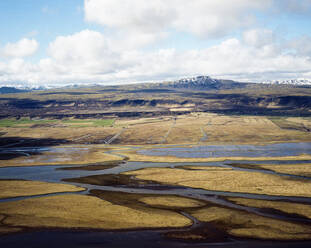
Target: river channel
x=156 y=238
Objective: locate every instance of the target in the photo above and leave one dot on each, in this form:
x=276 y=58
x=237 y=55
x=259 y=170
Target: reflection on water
x=273 y=150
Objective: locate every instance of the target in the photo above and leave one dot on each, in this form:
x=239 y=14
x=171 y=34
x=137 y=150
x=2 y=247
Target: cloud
x=87 y=52
x=92 y=57
x=259 y=37
x=199 y=17
x=22 y=48
x=301 y=45
x=139 y=37
x=301 y=7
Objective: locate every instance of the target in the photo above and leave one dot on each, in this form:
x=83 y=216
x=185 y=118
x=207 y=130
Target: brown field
x=184 y=129
x=15 y=188
x=204 y=168
x=242 y=224
x=73 y=211
x=144 y=132
x=227 y=180
x=171 y=201
x=286 y=207
x=293 y=169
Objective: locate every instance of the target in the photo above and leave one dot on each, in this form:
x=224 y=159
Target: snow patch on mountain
x=299 y=81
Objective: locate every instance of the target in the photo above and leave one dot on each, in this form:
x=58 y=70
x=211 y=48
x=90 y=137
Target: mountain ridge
x=298 y=81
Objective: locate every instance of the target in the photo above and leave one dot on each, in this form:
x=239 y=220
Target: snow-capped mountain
x=34 y=87
x=299 y=81
x=199 y=80
x=28 y=87
x=203 y=82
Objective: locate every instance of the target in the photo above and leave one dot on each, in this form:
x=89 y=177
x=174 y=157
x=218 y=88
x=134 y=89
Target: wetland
x=234 y=201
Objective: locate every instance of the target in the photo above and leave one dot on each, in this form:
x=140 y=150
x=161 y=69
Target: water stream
x=155 y=238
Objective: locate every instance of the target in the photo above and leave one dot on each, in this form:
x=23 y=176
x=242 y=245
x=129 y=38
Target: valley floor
x=178 y=180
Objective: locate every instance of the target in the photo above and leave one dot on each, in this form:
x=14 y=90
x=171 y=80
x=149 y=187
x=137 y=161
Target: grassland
x=242 y=224
x=195 y=128
x=299 y=169
x=293 y=169
x=286 y=207
x=88 y=122
x=227 y=180
x=23 y=122
x=73 y=211
x=28 y=122
x=292 y=123
x=16 y=188
x=171 y=201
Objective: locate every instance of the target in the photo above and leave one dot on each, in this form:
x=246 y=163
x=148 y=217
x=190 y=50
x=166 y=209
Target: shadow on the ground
x=13 y=147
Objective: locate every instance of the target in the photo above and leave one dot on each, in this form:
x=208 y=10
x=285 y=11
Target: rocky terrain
x=199 y=94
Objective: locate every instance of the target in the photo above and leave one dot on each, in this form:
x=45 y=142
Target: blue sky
x=40 y=19
x=119 y=41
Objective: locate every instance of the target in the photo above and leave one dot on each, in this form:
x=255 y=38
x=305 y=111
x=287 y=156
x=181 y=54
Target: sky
x=59 y=42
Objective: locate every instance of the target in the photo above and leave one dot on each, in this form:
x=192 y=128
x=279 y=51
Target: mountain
x=204 y=83
x=7 y=90
x=289 y=81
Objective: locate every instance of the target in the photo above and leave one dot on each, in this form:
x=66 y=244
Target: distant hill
x=204 y=83
x=290 y=82
x=7 y=90
x=196 y=94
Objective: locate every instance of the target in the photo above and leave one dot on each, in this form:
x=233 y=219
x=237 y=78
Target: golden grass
x=293 y=169
x=145 y=133
x=305 y=121
x=15 y=188
x=63 y=132
x=227 y=180
x=80 y=211
x=7 y=230
x=171 y=201
x=242 y=224
x=187 y=129
x=205 y=168
x=287 y=207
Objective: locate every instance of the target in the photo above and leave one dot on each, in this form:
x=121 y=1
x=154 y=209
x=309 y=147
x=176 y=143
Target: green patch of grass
x=7 y=123
x=75 y=121
x=22 y=121
x=90 y=122
x=104 y=122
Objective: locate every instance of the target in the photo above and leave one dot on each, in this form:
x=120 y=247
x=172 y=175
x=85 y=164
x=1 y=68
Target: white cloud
x=302 y=45
x=85 y=52
x=259 y=37
x=22 y=48
x=91 y=57
x=147 y=16
x=199 y=17
x=123 y=52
